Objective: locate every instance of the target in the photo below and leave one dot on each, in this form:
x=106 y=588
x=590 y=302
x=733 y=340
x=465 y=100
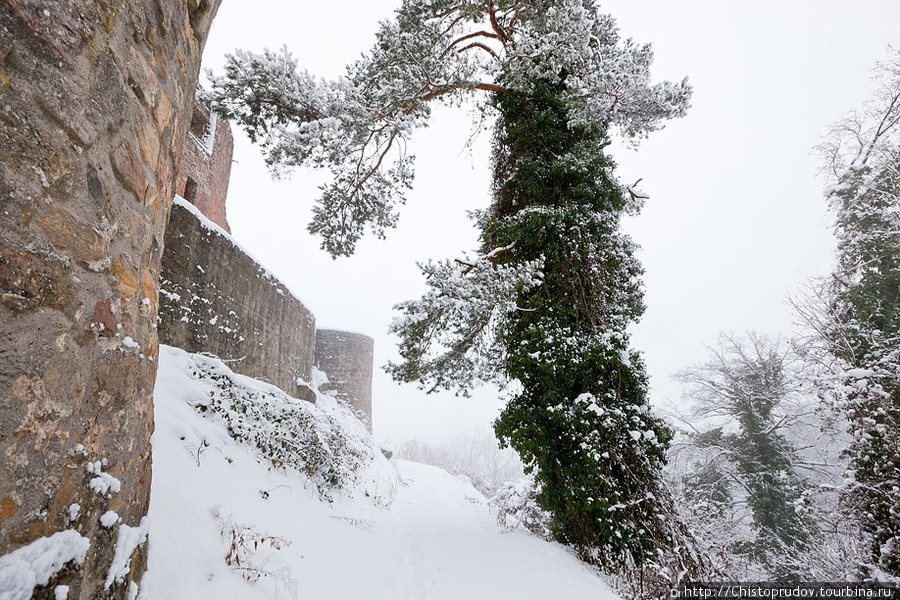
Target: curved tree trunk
x=95 y=99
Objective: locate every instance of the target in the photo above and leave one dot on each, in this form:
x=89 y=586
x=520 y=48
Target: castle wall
x=204 y=167
x=347 y=359
x=216 y=298
x=94 y=97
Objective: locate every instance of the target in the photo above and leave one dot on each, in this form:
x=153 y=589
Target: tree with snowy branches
x=747 y=405
x=855 y=315
x=548 y=302
x=580 y=418
x=359 y=126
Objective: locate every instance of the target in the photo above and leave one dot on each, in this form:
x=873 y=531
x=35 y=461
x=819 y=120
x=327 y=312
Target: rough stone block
x=82 y=242
x=80 y=141
x=128 y=168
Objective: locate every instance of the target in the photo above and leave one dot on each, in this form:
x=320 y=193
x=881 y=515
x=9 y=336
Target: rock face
x=216 y=298
x=95 y=98
x=347 y=359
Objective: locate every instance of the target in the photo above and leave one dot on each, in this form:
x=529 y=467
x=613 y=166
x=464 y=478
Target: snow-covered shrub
x=323 y=440
x=516 y=508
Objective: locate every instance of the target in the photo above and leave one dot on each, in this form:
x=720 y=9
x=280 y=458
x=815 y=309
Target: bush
x=323 y=441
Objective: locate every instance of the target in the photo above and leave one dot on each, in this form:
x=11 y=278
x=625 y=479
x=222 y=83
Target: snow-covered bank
x=225 y=524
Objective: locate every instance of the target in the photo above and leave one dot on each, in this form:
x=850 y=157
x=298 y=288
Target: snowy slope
x=224 y=525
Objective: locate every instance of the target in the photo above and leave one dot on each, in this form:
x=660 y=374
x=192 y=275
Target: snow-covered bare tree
x=855 y=315
x=549 y=300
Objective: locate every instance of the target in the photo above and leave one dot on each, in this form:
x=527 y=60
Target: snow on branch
x=446 y=337
x=358 y=126
x=871 y=135
x=490 y=256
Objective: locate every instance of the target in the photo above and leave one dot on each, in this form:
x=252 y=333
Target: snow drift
x=229 y=521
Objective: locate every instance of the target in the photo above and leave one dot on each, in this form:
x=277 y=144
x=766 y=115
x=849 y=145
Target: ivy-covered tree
x=581 y=420
x=855 y=315
x=745 y=405
x=548 y=302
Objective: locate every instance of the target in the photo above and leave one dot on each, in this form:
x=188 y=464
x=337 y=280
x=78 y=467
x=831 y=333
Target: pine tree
x=359 y=126
x=550 y=298
x=581 y=420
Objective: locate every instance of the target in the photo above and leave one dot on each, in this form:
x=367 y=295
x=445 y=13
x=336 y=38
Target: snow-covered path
x=455 y=549
x=409 y=531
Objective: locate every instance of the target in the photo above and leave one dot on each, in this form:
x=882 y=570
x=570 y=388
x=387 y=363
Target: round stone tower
x=347 y=359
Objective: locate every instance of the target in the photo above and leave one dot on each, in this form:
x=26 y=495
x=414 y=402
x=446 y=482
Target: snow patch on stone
x=109 y=519
x=33 y=565
x=129 y=539
x=104 y=483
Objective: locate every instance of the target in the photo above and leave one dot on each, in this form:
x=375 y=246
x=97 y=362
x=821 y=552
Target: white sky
x=736 y=219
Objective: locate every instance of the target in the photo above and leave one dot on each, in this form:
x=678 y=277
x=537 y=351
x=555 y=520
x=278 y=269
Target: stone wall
x=94 y=96
x=204 y=168
x=216 y=298
x=347 y=358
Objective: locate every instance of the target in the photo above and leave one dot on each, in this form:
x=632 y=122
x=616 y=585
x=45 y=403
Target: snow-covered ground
x=225 y=523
